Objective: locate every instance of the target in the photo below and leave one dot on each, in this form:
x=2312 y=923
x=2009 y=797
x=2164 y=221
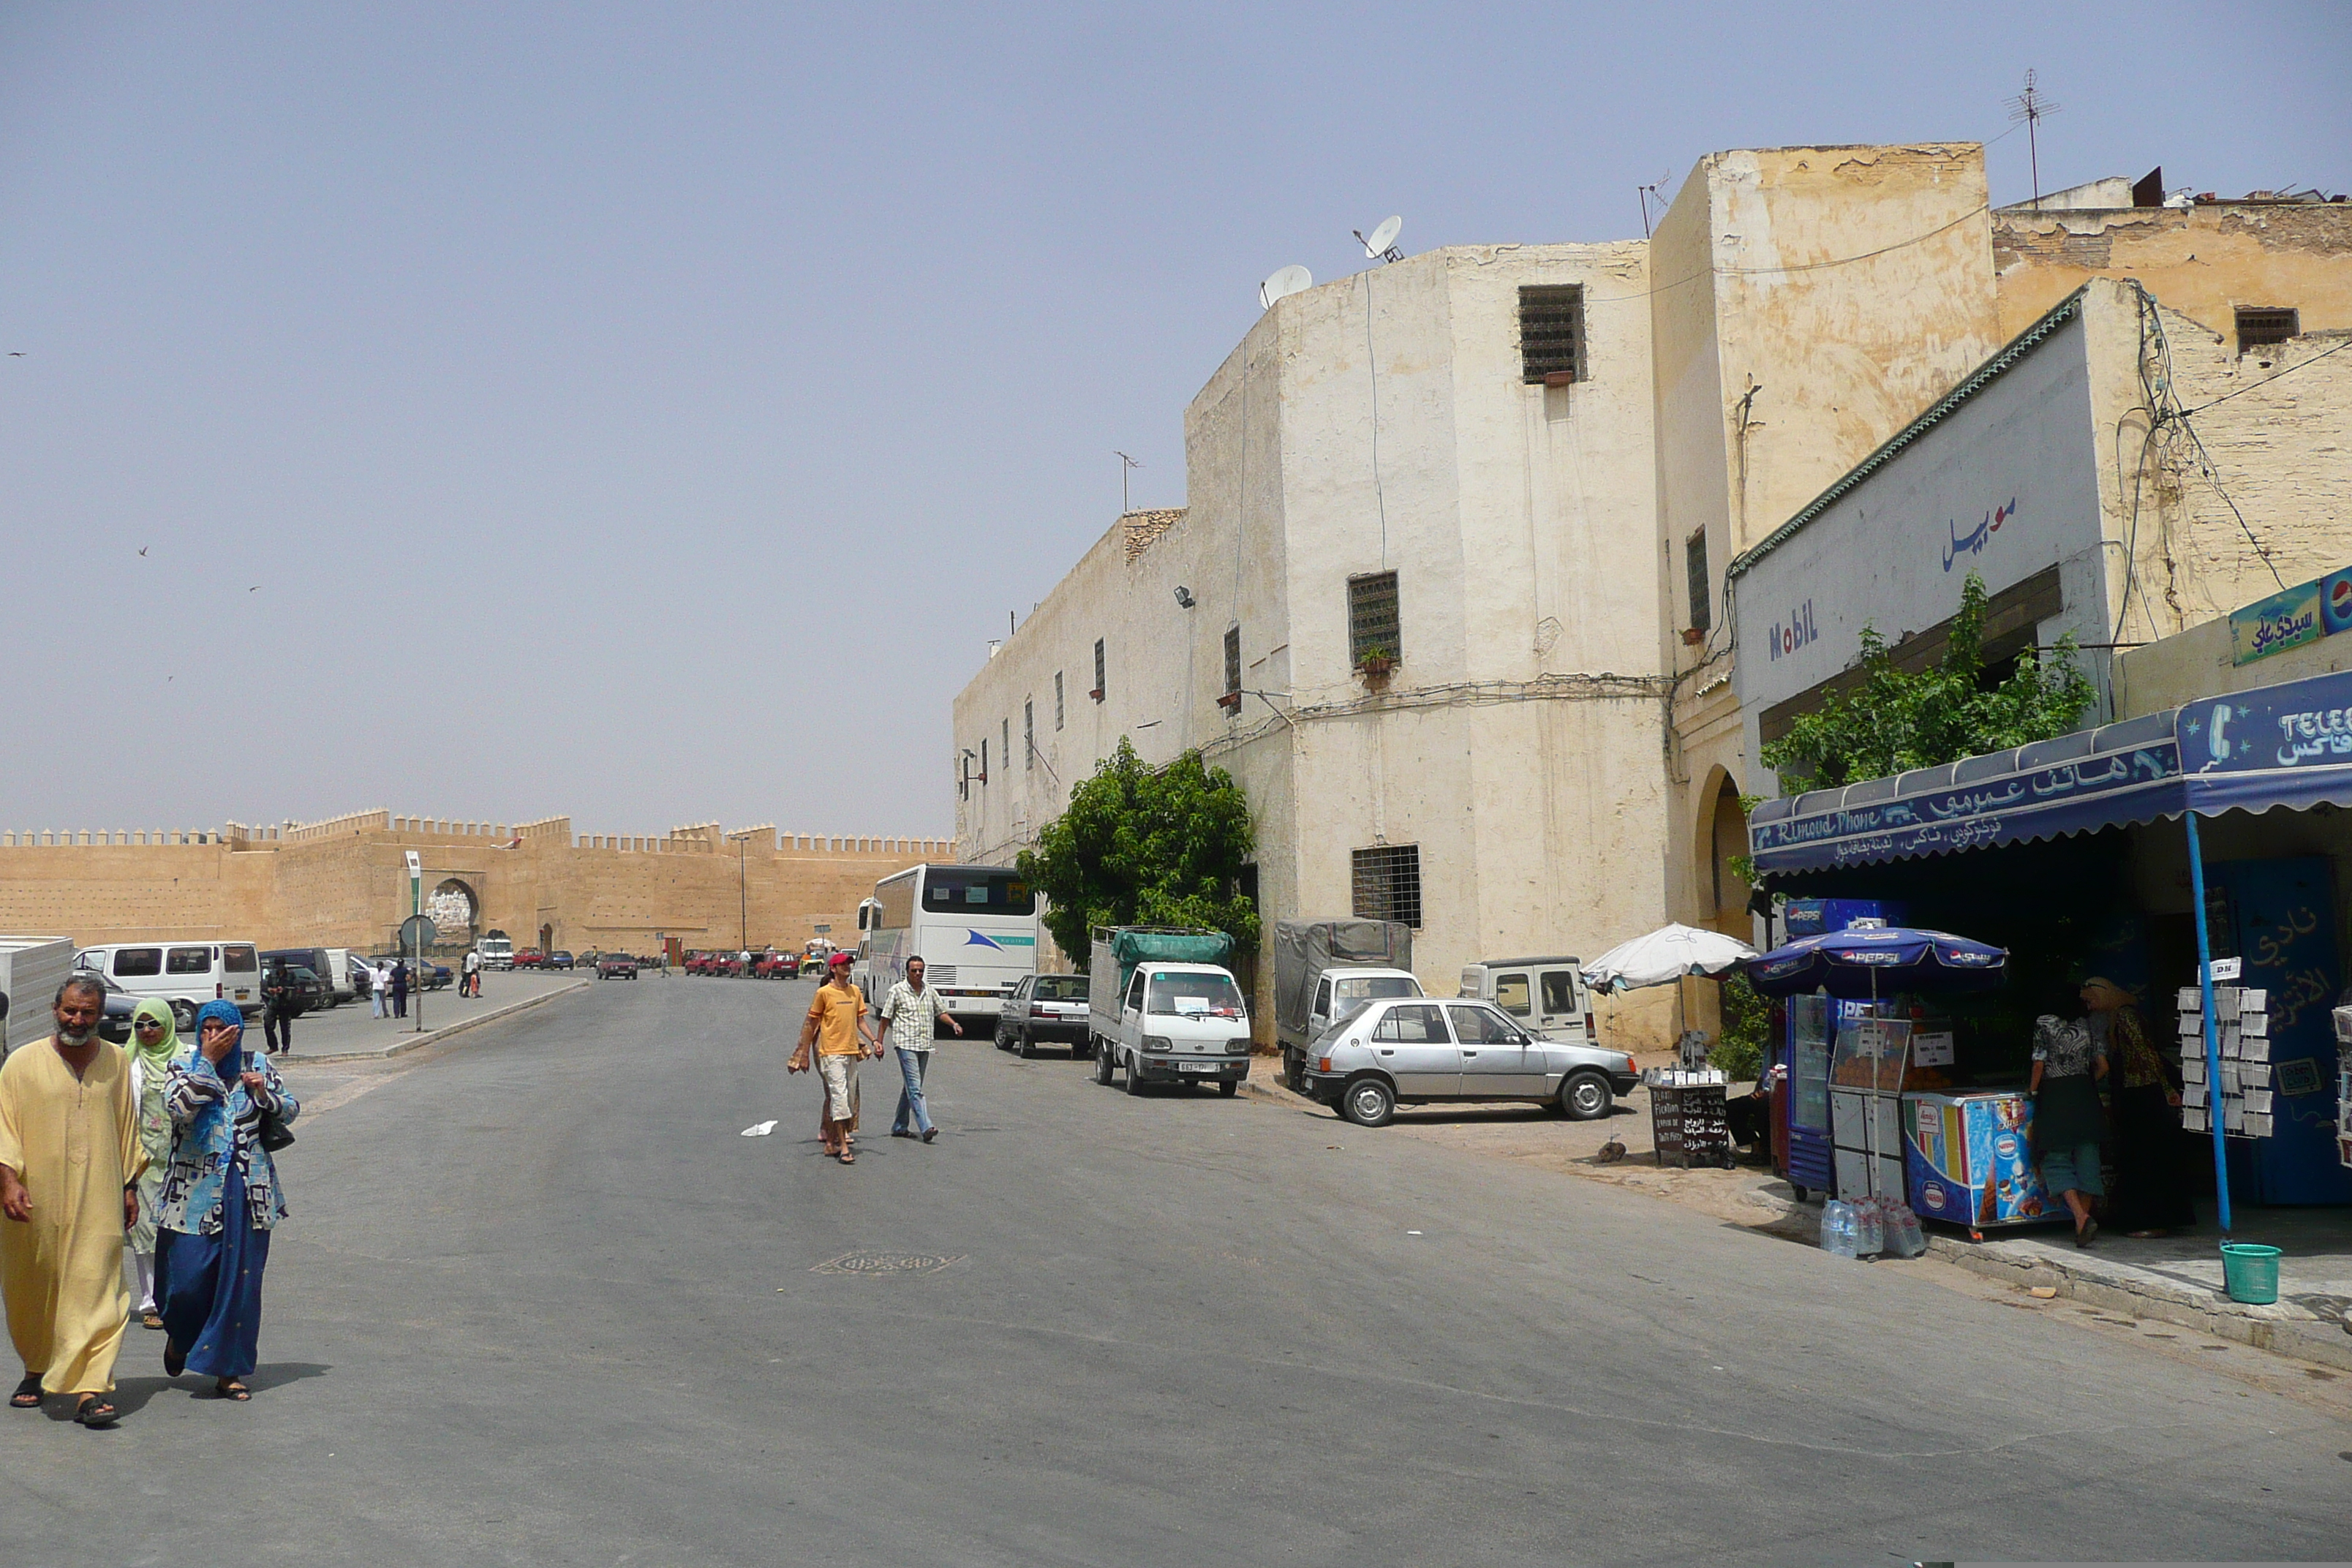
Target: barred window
x=1695 y=565
x=1058 y=699
x=2265 y=325
x=1388 y=884
x=1232 y=661
x=1552 y=333
x=1029 y=734
x=1100 y=686
x=1372 y=626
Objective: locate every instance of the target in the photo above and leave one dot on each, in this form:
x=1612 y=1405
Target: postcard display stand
x=2243 y=1094
x=2344 y=1085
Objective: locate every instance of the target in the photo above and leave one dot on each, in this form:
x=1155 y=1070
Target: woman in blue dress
x=221 y=1199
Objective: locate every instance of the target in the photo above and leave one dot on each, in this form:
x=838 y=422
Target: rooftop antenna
x=2031 y=106
x=1653 y=191
x=1282 y=285
x=1127 y=465
x=1382 y=246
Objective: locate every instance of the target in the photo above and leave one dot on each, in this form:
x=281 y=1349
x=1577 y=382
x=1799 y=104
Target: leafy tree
x=1140 y=846
x=1898 y=720
x=1739 y=1048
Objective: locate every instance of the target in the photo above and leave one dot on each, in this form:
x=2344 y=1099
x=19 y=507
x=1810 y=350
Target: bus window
x=978 y=892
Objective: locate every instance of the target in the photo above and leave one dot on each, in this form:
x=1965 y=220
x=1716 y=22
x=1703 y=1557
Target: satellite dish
x=1282 y=284
x=1381 y=245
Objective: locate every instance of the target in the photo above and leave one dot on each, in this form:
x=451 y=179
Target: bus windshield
x=978 y=892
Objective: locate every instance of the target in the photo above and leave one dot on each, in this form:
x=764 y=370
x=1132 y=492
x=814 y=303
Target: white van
x=1178 y=1022
x=187 y=974
x=1546 y=995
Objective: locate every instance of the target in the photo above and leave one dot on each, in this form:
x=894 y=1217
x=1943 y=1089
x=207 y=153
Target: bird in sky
x=142 y=550
x=15 y=353
x=254 y=589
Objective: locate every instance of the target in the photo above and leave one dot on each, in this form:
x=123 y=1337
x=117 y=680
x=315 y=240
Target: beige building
x=344 y=883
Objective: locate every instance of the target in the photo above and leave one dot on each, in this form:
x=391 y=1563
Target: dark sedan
x=1045 y=1008
x=558 y=959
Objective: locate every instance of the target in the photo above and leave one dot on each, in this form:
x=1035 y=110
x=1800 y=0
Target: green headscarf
x=157 y=1056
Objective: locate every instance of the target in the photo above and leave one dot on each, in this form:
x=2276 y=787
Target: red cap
x=840 y=958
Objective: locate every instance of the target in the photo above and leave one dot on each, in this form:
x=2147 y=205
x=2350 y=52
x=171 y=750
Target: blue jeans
x=912 y=1064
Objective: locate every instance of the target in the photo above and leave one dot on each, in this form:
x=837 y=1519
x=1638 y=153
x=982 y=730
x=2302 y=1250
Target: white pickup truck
x=1159 y=1013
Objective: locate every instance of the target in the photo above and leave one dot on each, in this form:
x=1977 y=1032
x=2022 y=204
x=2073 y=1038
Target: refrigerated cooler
x=1969 y=1160
x=1806 y=1053
x=1868 y=1057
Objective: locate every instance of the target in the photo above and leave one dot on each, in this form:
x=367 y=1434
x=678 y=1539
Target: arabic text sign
x=2301 y=724
x=2274 y=624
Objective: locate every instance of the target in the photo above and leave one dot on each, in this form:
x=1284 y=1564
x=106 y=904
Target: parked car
x=421 y=976
x=1412 y=1051
x=114 y=1023
x=775 y=966
x=497 y=950
x=529 y=958
x=558 y=959
x=319 y=961
x=616 y=966
x=185 y=974
x=1045 y=1007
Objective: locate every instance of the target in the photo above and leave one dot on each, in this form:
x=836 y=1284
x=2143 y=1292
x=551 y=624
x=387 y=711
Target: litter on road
x=760 y=1130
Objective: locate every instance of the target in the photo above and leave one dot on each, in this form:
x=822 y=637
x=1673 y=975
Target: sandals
x=847 y=1156
x=231 y=1388
x=150 y=1320
x=29 y=1393
x=96 y=1410
x=2085 y=1232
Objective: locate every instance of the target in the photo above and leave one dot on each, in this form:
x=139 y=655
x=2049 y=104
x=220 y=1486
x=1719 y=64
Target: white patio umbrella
x=1663 y=957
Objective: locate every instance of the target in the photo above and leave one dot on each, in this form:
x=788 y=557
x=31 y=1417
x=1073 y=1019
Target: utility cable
x=2267 y=381
x=1373 y=364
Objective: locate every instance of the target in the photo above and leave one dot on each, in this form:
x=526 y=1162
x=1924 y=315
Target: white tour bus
x=974 y=927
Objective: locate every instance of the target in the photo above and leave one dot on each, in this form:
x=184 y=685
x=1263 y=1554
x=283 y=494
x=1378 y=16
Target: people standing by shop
x=2067 y=1116
x=473 y=968
x=71 y=1160
x=155 y=1041
x=400 y=988
x=2151 y=1196
x=221 y=1201
x=835 y=1031
x=909 y=1015
x=278 y=1007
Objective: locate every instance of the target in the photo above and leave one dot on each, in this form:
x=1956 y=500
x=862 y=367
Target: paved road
x=354 y=1029
x=541 y=1303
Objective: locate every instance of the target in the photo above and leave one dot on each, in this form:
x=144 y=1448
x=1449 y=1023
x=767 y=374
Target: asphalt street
x=540 y=1301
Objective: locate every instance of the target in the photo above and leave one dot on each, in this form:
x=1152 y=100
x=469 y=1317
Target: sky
x=648 y=412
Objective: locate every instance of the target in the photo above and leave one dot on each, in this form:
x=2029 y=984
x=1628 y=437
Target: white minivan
x=1178 y=1022
x=187 y=974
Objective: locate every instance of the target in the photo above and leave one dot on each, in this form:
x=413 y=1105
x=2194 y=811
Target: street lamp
x=742 y=891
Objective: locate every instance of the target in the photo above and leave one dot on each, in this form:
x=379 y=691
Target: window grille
x=2266 y=325
x=1372 y=617
x=1695 y=565
x=1232 y=661
x=1100 y=686
x=1058 y=699
x=1388 y=884
x=1005 y=750
x=1029 y=734
x=984 y=760
x=1552 y=333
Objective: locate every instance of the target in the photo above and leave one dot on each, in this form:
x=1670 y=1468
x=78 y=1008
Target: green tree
x=1898 y=720
x=1144 y=845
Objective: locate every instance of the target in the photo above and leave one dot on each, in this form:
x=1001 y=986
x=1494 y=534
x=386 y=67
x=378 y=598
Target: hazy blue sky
x=619 y=408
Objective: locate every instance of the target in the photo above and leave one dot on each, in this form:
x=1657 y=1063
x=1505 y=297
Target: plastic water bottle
x=1837 y=1229
x=1869 y=1228
x=1905 y=1236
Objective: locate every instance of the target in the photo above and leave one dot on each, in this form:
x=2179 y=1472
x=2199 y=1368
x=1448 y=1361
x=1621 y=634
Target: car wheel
x=1294 y=1071
x=1025 y=1043
x=1369 y=1102
x=1102 y=1062
x=183 y=1018
x=1001 y=1043
x=1585 y=1097
x=1230 y=1088
x=1134 y=1075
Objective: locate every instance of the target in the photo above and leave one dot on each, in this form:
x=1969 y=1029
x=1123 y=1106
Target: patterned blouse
x=214 y=1123
x=2122 y=1033
x=2063 y=1047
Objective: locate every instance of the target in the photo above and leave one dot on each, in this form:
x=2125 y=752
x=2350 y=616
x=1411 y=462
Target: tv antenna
x=1653 y=192
x=1282 y=285
x=1126 y=465
x=2032 y=106
x=1382 y=246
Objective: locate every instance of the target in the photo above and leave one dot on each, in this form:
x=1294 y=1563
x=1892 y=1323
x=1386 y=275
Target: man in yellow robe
x=70 y=1161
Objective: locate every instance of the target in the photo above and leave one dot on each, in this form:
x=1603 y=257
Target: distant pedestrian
x=400 y=988
x=834 y=1030
x=221 y=1200
x=155 y=1041
x=2067 y=1116
x=69 y=1164
x=278 y=1007
x=910 y=1014
x=377 y=986
x=473 y=967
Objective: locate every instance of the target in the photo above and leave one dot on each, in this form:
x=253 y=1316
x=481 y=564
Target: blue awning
x=2286 y=745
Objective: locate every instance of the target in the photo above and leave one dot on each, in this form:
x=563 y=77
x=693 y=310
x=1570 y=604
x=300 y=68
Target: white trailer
x=31 y=970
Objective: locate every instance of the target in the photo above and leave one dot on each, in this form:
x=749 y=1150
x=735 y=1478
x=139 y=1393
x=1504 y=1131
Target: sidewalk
x=2175 y=1279
x=351 y=1032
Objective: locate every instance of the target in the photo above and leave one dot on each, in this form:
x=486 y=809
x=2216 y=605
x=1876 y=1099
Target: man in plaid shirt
x=908 y=1014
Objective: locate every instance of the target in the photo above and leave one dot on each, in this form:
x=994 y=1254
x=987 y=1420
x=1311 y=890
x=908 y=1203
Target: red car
x=774 y=966
x=531 y=958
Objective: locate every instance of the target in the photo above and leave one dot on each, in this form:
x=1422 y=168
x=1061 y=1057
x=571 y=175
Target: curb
x=435 y=1036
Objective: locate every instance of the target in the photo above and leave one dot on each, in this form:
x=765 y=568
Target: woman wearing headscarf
x=155 y=1041
x=2151 y=1192
x=221 y=1199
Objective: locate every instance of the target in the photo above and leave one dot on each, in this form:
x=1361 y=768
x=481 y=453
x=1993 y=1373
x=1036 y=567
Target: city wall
x=344 y=883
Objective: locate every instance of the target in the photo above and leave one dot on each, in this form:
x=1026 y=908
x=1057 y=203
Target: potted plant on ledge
x=1375 y=663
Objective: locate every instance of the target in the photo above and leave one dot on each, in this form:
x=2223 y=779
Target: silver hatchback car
x=1413 y=1051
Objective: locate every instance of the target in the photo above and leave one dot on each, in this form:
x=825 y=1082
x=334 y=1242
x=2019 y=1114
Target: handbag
x=274 y=1133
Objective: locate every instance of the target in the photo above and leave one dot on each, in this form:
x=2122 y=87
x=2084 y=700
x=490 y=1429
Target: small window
x=1558 y=990
x=1100 y=686
x=1412 y=1024
x=983 y=759
x=137 y=961
x=238 y=959
x=1005 y=750
x=1029 y=735
x=1477 y=1026
x=189 y=961
x=1232 y=661
x=1323 y=998
x=1511 y=994
x=1135 y=992
x=1373 y=628
x=2266 y=324
x=1058 y=699
x=1388 y=884
x=1694 y=567
x=1552 y=333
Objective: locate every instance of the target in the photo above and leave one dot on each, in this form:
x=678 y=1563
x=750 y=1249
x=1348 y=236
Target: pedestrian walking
x=834 y=1030
x=909 y=1015
x=278 y=1005
x=378 y=989
x=155 y=1041
x=473 y=967
x=400 y=988
x=2064 y=1082
x=2151 y=1196
x=221 y=1201
x=69 y=1165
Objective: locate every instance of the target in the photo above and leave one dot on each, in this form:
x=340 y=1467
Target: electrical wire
x=1372 y=363
x=2267 y=381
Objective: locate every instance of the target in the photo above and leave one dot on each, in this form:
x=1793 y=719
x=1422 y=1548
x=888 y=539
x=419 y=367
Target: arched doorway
x=1727 y=841
x=455 y=908
x=546 y=938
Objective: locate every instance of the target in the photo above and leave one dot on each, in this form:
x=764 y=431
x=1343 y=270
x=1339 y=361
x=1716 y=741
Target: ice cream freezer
x=1969 y=1160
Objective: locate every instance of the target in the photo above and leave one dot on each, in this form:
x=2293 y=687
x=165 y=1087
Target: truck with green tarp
x=1162 y=1006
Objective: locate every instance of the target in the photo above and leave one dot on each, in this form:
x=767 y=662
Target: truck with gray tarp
x=1325 y=969
x=31 y=970
x=1161 y=1006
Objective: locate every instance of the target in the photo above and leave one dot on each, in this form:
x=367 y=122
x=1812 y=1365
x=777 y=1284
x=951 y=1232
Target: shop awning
x=2286 y=745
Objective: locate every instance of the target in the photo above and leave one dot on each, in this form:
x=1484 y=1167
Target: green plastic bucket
x=2249 y=1272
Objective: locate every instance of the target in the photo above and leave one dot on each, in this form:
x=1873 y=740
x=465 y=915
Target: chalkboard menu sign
x=1688 y=1126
